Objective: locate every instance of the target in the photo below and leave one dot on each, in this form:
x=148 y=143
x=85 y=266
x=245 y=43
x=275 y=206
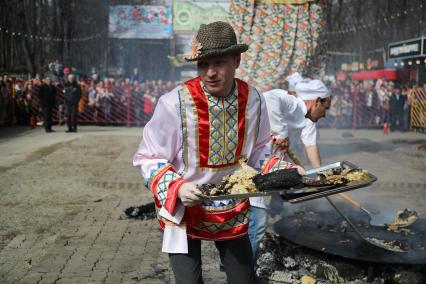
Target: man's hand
x=281 y=144
x=189 y=194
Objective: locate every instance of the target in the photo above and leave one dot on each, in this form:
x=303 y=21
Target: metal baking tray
x=296 y=195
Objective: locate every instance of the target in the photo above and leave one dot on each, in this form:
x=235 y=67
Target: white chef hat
x=311 y=89
x=292 y=80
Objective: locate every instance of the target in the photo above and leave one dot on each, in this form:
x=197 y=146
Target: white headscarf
x=292 y=80
x=311 y=89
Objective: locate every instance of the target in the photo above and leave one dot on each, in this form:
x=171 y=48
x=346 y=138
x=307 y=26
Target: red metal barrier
x=353 y=112
x=118 y=105
x=128 y=105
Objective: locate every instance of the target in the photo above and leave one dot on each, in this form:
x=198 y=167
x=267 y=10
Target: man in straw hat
x=197 y=134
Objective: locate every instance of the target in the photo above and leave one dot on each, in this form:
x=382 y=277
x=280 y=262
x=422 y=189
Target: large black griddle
x=323 y=231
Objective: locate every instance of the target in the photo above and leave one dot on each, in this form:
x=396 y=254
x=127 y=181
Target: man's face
x=319 y=109
x=217 y=73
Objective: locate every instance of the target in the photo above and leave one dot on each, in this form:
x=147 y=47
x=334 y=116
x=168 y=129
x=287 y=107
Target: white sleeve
x=161 y=139
x=309 y=133
x=261 y=150
x=275 y=113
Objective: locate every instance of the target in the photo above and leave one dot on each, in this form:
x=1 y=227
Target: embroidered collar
x=231 y=93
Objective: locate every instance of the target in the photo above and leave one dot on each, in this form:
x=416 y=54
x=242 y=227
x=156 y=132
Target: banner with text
x=188 y=15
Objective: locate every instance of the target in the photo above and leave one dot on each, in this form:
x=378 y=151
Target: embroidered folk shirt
x=196 y=137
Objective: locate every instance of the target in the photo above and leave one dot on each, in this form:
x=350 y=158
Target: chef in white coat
x=291 y=116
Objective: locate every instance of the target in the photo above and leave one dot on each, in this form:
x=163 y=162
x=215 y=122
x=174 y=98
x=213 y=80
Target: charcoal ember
x=265 y=264
x=265 y=259
x=284 y=277
x=143 y=212
x=281 y=179
x=290 y=263
x=329 y=273
x=409 y=277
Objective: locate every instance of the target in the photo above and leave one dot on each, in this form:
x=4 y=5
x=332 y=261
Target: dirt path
x=63 y=196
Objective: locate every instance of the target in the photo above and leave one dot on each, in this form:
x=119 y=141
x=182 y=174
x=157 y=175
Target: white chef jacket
x=287 y=119
x=286 y=113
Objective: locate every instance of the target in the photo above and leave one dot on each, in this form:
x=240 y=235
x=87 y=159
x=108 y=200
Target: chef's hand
x=189 y=194
x=282 y=144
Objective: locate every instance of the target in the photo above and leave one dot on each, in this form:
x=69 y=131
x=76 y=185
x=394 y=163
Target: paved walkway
x=98 y=245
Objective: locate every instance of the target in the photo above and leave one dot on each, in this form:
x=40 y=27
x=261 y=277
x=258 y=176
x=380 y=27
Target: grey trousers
x=236 y=256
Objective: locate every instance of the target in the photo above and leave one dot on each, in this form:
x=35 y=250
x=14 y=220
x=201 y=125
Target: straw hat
x=214 y=39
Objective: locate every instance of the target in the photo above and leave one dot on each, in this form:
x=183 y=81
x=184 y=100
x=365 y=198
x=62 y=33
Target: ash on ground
x=143 y=212
x=280 y=261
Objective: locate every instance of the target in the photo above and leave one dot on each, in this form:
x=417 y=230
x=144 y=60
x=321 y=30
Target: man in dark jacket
x=72 y=95
x=396 y=102
x=47 y=97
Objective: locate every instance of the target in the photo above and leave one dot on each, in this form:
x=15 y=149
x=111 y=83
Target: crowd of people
x=105 y=100
x=370 y=104
x=116 y=100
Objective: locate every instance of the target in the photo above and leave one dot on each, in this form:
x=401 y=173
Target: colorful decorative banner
x=147 y=22
x=286 y=1
x=188 y=15
x=282 y=39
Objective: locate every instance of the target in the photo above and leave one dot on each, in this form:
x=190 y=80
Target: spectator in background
x=397 y=102
x=149 y=101
x=31 y=89
x=406 y=93
x=84 y=95
x=56 y=68
x=67 y=71
x=22 y=109
x=161 y=88
x=95 y=78
x=135 y=76
x=371 y=105
x=5 y=104
x=169 y=86
x=72 y=95
x=93 y=101
x=47 y=98
x=346 y=107
x=137 y=102
x=106 y=97
x=384 y=100
x=357 y=104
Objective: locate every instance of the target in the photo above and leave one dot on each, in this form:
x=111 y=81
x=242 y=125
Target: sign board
x=407 y=49
x=292 y=2
x=140 y=21
x=189 y=15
